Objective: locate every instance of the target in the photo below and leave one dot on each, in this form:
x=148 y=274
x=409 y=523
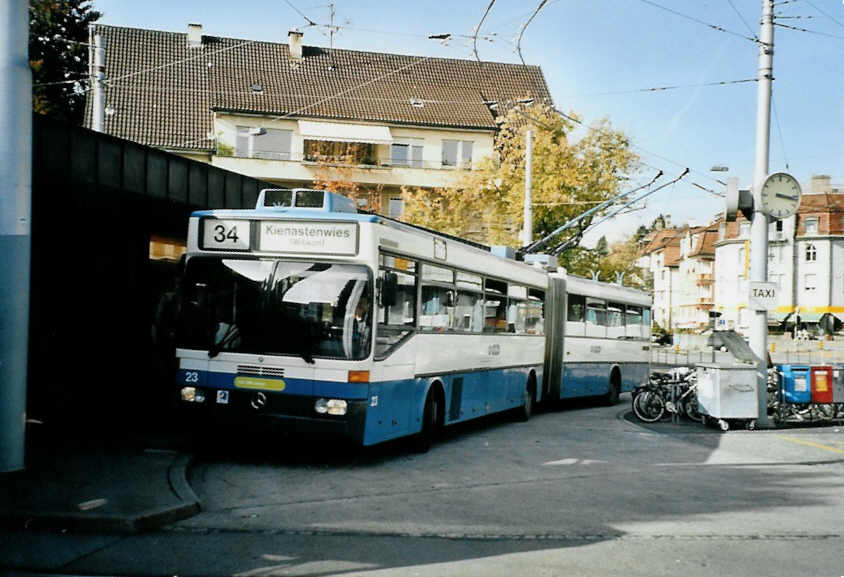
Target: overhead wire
x=699 y=21
x=665 y=88
x=746 y=25
x=817 y=32
x=810 y=3
x=779 y=130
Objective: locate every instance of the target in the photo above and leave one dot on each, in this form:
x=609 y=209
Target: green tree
x=569 y=177
x=602 y=247
x=58 y=56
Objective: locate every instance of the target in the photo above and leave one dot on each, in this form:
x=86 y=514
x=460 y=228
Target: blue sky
x=594 y=54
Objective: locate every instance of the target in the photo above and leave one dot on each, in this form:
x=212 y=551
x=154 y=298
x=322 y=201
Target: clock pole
x=759 y=224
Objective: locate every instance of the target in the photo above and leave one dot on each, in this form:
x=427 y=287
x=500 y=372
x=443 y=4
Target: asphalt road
x=577 y=491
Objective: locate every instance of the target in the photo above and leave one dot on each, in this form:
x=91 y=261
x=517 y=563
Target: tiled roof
x=163 y=93
x=705 y=242
x=663 y=238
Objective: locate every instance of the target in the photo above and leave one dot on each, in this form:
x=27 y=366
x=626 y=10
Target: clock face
x=780 y=195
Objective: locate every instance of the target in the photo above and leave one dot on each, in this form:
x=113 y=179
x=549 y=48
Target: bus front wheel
x=423 y=440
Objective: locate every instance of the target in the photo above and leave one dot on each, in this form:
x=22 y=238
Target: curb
x=149 y=520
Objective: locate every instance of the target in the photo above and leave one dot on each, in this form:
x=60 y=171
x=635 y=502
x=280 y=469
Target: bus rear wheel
x=524 y=412
x=423 y=440
x=611 y=398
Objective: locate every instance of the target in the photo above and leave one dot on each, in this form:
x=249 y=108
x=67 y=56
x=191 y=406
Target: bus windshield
x=275 y=307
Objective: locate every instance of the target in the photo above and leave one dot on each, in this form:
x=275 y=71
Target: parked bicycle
x=665 y=394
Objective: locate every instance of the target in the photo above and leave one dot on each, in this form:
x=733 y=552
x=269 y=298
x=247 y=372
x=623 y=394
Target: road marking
x=573 y=462
x=812 y=444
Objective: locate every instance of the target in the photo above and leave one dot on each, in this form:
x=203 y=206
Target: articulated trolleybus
x=328 y=321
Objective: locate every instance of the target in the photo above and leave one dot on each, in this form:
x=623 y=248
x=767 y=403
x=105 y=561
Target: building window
x=457 y=153
x=811 y=225
x=396 y=208
x=407 y=152
x=810 y=282
x=779 y=226
x=336 y=152
x=264 y=143
x=811 y=253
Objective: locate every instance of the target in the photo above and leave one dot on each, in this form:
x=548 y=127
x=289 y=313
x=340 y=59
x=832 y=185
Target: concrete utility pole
x=759 y=224
x=15 y=227
x=527 y=229
x=98 y=83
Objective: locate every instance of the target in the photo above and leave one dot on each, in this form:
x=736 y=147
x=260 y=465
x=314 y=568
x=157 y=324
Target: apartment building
x=805 y=260
x=294 y=114
x=681 y=262
x=660 y=256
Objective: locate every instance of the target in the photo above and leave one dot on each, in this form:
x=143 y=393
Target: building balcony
x=370 y=171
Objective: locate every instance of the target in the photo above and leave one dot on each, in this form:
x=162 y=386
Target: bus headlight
x=331 y=406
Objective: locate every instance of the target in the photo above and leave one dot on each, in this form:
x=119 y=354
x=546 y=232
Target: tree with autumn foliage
x=58 y=56
x=569 y=176
x=335 y=169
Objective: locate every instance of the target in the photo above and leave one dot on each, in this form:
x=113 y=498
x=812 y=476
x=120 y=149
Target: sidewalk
x=84 y=487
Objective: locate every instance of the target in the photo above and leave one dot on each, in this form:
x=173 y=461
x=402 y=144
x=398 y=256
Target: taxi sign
x=762 y=296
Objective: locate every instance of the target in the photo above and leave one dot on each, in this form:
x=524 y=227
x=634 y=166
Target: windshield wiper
x=231 y=333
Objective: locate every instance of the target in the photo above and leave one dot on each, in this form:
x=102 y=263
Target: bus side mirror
x=389 y=289
x=449 y=299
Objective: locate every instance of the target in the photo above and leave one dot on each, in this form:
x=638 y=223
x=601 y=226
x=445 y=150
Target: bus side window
x=469 y=307
x=634 y=322
x=646 y=323
x=396 y=314
x=437 y=312
x=576 y=315
x=495 y=300
x=615 y=321
x=596 y=317
x=533 y=312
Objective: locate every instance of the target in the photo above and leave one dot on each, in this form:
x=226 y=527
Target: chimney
x=820 y=183
x=194 y=35
x=294 y=41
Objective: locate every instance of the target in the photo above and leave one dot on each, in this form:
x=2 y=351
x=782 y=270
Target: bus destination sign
x=338 y=238
x=219 y=234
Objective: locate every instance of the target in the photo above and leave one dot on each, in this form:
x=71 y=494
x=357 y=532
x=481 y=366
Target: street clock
x=780 y=195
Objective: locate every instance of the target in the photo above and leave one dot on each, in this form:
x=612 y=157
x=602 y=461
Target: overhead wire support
x=541 y=243
x=524 y=27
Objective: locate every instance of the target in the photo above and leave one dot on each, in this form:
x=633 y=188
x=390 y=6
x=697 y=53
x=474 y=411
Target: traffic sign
x=762 y=296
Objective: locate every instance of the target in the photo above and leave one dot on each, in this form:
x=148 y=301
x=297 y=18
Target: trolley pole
x=527 y=230
x=15 y=227
x=759 y=224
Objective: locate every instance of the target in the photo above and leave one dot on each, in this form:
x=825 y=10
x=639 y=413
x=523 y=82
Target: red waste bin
x=821 y=378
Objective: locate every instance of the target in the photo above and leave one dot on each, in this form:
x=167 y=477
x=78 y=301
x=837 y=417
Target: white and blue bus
x=329 y=321
x=598 y=339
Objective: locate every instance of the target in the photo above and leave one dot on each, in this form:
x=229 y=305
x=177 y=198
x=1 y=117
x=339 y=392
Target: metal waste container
x=727 y=392
x=795 y=384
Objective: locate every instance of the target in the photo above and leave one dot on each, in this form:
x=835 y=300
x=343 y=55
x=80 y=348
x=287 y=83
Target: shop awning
x=345 y=132
x=775 y=317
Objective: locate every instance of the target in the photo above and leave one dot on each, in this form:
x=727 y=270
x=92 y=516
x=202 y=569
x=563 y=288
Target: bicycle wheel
x=649 y=406
x=691 y=410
